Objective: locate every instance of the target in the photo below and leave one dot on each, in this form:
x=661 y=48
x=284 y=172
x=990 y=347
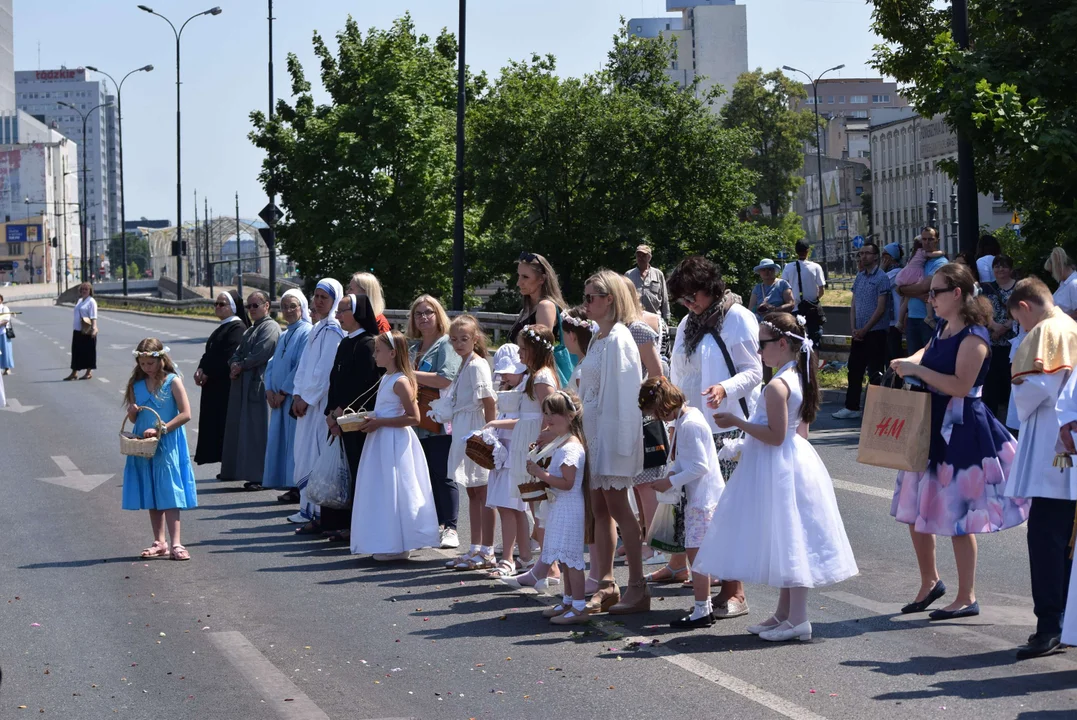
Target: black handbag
x=812 y=311
x=10 y=332
x=655 y=443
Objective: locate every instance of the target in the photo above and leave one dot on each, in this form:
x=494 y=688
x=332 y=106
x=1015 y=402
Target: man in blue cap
x=891 y=264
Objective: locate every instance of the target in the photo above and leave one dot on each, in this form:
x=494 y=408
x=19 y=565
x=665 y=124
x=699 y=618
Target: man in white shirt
x=986 y=252
x=808 y=286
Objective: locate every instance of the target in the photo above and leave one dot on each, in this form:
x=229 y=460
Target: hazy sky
x=225 y=73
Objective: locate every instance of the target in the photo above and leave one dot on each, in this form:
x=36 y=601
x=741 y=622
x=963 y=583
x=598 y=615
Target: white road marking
x=17 y=407
x=104 y=380
x=73 y=477
x=733 y=684
x=280 y=693
x=864 y=489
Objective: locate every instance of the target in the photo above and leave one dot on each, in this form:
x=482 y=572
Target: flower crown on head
x=806 y=344
x=151 y=353
x=530 y=332
x=578 y=322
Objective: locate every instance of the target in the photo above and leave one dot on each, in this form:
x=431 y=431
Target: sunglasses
x=528 y=257
x=588 y=299
x=222 y=304
x=762 y=343
x=687 y=299
x=935 y=291
x=253 y=306
x=424 y=313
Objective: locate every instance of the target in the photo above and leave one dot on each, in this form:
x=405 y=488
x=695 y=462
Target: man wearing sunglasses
x=870 y=317
x=650 y=283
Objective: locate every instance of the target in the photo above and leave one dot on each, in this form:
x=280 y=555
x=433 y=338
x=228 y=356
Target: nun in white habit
x=311 y=388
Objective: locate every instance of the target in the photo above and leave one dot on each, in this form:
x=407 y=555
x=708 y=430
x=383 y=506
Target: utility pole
x=967 y=204
x=458 y=234
x=239 y=254
x=194 y=233
x=271 y=238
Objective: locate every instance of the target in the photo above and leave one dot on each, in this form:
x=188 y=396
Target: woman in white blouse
x=84 y=338
x=716 y=365
x=610 y=377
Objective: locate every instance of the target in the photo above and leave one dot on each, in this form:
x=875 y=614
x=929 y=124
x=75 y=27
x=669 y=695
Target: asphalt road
x=262 y=624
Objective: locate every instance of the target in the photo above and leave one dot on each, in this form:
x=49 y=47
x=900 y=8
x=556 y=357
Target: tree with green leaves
x=1010 y=93
x=583 y=169
x=367 y=179
x=762 y=103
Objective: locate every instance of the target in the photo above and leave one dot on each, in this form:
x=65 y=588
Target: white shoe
x=391 y=557
x=731 y=608
x=847 y=414
x=535 y=547
x=659 y=558
x=762 y=627
x=547 y=586
x=449 y=539
x=785 y=632
x=299 y=519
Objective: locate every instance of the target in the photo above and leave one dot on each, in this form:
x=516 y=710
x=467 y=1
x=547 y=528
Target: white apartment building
x=39 y=92
x=905 y=156
x=7 y=58
x=711 y=40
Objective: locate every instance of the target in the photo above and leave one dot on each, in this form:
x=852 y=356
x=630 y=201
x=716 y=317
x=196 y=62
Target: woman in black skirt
x=84 y=337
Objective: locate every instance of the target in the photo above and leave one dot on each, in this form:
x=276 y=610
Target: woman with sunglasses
x=961 y=492
x=214 y=377
x=716 y=364
x=245 y=437
x=543 y=304
x=610 y=377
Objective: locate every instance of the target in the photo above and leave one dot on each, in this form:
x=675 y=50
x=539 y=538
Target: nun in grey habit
x=248 y=412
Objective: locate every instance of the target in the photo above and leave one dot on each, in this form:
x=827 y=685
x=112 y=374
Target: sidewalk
x=37 y=291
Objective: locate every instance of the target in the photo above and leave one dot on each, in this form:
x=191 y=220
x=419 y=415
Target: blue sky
x=225 y=75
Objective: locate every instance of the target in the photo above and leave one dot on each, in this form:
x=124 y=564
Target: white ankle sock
x=579 y=605
x=702 y=609
x=474 y=550
x=566 y=600
x=488 y=550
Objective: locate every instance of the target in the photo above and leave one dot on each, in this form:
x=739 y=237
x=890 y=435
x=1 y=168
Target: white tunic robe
x=312 y=384
x=1066 y=408
x=1033 y=473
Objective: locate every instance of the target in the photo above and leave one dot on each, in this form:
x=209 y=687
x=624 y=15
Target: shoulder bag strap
x=800 y=283
x=729 y=364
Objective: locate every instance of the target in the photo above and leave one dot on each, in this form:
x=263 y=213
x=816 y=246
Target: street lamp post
x=179 y=177
x=818 y=146
x=83 y=206
x=30 y=250
x=119 y=127
x=458 y=229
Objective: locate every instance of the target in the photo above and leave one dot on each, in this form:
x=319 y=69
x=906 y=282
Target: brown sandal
x=607 y=596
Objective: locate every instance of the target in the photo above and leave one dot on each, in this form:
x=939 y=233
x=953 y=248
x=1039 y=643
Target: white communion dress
x=777 y=522
x=394 y=504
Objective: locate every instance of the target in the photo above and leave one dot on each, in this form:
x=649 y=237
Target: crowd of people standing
x=607 y=439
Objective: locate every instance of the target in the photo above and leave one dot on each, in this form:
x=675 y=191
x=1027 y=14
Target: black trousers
x=1050 y=523
x=997 y=388
x=341 y=518
x=869 y=354
x=446 y=494
x=895 y=347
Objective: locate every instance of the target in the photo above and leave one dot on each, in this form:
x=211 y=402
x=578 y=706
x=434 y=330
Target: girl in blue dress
x=164 y=483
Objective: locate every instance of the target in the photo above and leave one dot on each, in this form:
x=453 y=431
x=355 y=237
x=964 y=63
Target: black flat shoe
x=686 y=622
x=252 y=486
x=292 y=496
x=936 y=592
x=967 y=611
x=1038 y=645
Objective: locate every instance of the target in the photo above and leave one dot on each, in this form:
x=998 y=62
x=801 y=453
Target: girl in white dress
x=393 y=512
x=510 y=375
x=567 y=520
x=473 y=400
x=695 y=473
x=779 y=511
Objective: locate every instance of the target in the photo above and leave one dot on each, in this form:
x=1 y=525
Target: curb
x=151 y=314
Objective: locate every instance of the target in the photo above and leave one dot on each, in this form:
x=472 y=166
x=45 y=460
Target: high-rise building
x=39 y=92
x=7 y=58
x=710 y=40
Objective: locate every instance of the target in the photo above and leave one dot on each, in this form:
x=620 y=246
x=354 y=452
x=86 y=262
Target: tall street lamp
x=818 y=144
x=83 y=206
x=119 y=126
x=179 y=178
x=458 y=227
x=30 y=254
